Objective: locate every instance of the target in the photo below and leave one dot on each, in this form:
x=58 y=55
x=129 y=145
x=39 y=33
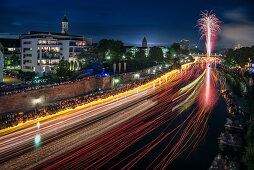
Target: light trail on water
x=181 y=131
x=162 y=118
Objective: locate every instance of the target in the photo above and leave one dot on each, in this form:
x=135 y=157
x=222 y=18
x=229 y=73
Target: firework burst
x=209 y=25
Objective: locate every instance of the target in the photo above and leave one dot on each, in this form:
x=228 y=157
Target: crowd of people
x=222 y=162
x=241 y=74
x=231 y=141
x=12 y=119
x=9 y=89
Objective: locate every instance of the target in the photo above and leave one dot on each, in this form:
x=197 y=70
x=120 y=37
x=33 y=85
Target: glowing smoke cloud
x=209 y=25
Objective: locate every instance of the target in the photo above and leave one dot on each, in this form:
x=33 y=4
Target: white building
x=185 y=45
x=42 y=51
x=133 y=50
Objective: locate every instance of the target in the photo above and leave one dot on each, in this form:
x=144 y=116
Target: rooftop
x=40 y=34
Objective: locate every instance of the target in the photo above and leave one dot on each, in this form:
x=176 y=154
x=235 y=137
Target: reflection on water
x=166 y=133
x=209 y=94
x=37 y=140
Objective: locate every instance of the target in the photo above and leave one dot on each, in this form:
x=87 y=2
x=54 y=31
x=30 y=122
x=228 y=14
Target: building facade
x=42 y=51
x=185 y=45
x=250 y=66
x=11 y=50
x=133 y=50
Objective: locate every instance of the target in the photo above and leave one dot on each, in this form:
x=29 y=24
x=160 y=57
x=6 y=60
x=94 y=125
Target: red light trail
x=187 y=134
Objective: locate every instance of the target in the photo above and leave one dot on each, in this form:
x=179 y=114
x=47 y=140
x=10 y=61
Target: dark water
x=200 y=158
x=203 y=155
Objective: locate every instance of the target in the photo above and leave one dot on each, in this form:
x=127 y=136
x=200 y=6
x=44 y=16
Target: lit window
x=11 y=49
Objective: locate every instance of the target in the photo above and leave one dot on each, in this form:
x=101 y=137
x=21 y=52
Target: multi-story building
x=133 y=50
x=185 y=45
x=11 y=50
x=42 y=51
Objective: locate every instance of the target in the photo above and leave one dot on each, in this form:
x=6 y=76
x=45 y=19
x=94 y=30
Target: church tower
x=144 y=42
x=65 y=25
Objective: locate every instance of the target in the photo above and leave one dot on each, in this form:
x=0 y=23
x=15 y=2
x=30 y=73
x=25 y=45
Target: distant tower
x=144 y=42
x=65 y=25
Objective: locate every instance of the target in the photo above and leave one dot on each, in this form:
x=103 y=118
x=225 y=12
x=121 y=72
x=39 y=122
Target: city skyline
x=160 y=23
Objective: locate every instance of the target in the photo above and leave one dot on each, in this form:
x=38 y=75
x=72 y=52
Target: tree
x=112 y=49
x=15 y=60
x=239 y=57
x=175 y=49
x=88 y=59
x=140 y=57
x=63 y=68
x=129 y=56
x=156 y=54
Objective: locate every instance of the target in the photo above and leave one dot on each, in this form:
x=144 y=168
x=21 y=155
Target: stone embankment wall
x=25 y=101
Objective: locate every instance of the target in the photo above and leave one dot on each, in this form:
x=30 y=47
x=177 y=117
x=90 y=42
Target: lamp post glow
x=37 y=140
x=136 y=76
x=38 y=125
x=37 y=101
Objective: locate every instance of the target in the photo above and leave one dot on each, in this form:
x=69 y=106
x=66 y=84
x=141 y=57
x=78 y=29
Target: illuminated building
x=251 y=65
x=185 y=45
x=133 y=50
x=10 y=48
x=42 y=51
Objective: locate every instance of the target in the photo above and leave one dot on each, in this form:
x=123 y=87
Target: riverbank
x=244 y=95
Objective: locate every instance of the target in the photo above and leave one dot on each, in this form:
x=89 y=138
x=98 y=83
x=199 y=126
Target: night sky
x=162 y=22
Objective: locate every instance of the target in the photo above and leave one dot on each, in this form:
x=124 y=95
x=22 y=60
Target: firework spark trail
x=209 y=25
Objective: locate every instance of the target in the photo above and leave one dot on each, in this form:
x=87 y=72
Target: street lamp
x=36 y=102
x=136 y=76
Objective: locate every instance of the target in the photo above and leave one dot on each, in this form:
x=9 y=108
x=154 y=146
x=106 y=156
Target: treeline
x=248 y=157
x=239 y=57
x=108 y=52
